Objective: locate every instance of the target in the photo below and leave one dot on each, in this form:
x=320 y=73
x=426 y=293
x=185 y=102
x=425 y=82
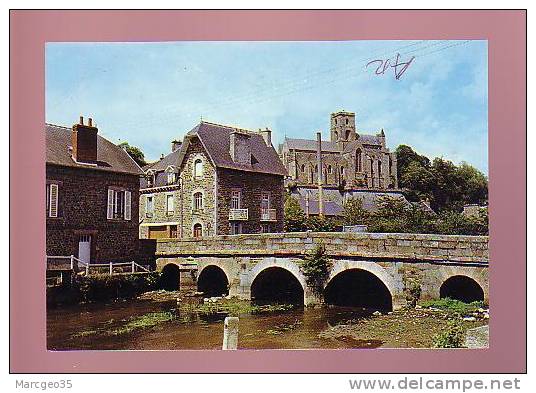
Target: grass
x=140 y=322
x=452 y=305
x=235 y=307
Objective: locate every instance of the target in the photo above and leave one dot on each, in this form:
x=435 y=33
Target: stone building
x=222 y=180
x=322 y=175
x=350 y=160
x=92 y=195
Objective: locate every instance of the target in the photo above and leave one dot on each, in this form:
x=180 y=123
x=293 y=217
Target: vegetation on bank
x=315 y=267
x=103 y=287
x=446 y=187
x=454 y=306
x=393 y=215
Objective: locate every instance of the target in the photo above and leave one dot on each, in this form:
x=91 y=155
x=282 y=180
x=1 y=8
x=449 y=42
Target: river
x=161 y=325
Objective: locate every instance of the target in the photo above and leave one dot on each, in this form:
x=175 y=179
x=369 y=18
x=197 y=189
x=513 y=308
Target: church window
x=303 y=168
x=358 y=162
x=330 y=169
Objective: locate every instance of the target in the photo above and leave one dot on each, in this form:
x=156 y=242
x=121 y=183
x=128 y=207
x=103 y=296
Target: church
x=350 y=164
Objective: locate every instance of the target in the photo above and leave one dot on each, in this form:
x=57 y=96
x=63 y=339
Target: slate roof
x=334 y=200
x=110 y=157
x=216 y=140
x=161 y=165
x=328 y=146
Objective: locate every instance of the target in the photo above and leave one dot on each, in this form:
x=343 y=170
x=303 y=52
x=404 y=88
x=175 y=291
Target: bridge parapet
x=376 y=246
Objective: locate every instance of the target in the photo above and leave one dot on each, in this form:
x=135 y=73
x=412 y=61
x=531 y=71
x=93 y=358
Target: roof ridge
x=230 y=126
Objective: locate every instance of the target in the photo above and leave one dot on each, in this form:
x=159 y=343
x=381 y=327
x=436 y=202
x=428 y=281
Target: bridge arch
x=213 y=280
x=273 y=276
x=170 y=278
x=363 y=283
x=462 y=283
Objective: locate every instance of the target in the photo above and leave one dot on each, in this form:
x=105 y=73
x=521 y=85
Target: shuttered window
x=52 y=200
x=119 y=204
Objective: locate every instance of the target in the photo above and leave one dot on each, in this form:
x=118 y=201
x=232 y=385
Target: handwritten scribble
x=398 y=66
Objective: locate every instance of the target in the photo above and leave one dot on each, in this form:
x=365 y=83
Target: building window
x=235 y=199
x=303 y=168
x=150 y=179
x=198 y=230
x=236 y=228
x=149 y=206
x=346 y=121
x=358 y=162
x=170 y=204
x=171 y=177
x=198 y=168
x=330 y=169
x=265 y=201
x=52 y=200
x=342 y=171
x=266 y=228
x=118 y=204
x=198 y=201
x=173 y=231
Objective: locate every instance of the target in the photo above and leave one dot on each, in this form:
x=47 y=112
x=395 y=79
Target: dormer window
x=171 y=175
x=150 y=176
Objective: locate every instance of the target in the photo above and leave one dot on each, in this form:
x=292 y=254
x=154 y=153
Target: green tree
x=354 y=213
x=134 y=152
x=294 y=215
x=315 y=268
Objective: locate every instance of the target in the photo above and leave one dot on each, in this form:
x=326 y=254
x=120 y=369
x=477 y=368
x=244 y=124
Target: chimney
x=239 y=147
x=175 y=145
x=84 y=142
x=267 y=136
x=320 y=172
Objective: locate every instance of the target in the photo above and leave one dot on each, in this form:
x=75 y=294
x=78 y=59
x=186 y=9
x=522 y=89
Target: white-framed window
x=52 y=196
x=150 y=176
x=171 y=178
x=236 y=228
x=236 y=196
x=198 y=200
x=265 y=200
x=119 y=204
x=170 y=203
x=149 y=206
x=198 y=168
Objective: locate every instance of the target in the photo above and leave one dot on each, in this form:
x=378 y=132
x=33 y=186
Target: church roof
x=328 y=146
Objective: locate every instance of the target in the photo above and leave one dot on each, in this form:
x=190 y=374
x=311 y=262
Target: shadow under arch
x=463 y=288
x=213 y=281
x=170 y=278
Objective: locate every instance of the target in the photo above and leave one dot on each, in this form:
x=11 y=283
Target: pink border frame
x=506 y=35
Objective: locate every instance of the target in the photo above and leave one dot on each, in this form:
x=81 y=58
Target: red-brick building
x=92 y=196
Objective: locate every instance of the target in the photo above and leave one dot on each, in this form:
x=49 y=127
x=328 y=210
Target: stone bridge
x=370 y=269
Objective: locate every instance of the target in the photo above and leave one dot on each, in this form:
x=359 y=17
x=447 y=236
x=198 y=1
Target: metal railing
x=268 y=215
x=238 y=214
x=73 y=263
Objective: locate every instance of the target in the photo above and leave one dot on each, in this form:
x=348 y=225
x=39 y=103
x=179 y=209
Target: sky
x=149 y=94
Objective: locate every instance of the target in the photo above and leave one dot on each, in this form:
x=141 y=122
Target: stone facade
x=350 y=160
x=203 y=194
x=82 y=210
x=251 y=187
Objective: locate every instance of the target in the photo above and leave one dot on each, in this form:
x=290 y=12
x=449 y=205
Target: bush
x=413 y=292
x=315 y=268
x=452 y=337
x=105 y=287
x=294 y=215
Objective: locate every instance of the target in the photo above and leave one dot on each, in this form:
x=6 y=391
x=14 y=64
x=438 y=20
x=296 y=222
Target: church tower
x=343 y=127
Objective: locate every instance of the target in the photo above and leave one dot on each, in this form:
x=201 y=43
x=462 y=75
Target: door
x=84 y=248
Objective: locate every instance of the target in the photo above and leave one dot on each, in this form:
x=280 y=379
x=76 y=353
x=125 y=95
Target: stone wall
x=206 y=184
x=251 y=186
x=383 y=246
x=82 y=210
